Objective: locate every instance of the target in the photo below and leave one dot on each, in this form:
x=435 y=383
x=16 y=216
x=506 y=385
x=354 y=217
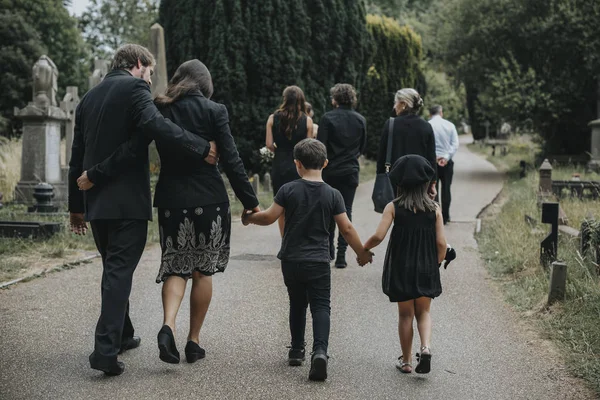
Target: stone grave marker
x=101 y=68
x=157 y=47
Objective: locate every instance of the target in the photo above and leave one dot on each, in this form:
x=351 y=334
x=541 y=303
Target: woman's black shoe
x=193 y=352
x=166 y=346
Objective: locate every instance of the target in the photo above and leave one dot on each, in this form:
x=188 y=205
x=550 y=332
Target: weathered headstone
x=594 y=163
x=267 y=183
x=157 y=47
x=545 y=183
x=558 y=282
x=549 y=246
x=255 y=182
x=68 y=105
x=42 y=121
x=101 y=68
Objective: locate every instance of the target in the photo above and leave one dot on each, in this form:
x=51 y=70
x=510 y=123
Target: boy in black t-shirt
x=311 y=209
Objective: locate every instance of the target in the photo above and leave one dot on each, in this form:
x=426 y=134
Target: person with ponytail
x=411 y=133
x=286 y=127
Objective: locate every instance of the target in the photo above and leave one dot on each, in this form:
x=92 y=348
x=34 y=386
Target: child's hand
x=246 y=217
x=365 y=257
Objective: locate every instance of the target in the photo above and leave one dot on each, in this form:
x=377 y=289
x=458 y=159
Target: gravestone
x=267 y=183
x=42 y=121
x=101 y=68
x=157 y=47
x=255 y=181
x=545 y=183
x=68 y=105
x=558 y=282
x=549 y=246
x=594 y=163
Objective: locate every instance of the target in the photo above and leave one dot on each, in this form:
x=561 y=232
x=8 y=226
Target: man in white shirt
x=446 y=146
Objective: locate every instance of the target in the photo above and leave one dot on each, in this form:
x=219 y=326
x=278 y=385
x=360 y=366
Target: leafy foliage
x=396 y=52
x=108 y=24
x=255 y=49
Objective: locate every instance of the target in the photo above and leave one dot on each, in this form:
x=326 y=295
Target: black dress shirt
x=344 y=133
x=412 y=135
x=185 y=183
x=114 y=122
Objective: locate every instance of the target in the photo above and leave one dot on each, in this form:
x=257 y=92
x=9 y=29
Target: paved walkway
x=481 y=349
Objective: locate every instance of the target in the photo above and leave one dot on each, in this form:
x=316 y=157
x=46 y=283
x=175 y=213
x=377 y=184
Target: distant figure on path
x=193 y=206
x=114 y=123
x=343 y=131
x=311 y=208
x=285 y=128
x=411 y=133
x=417 y=246
x=311 y=113
x=446 y=146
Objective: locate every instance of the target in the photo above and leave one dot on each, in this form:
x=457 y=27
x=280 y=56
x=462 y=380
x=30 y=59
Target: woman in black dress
x=193 y=206
x=285 y=128
x=412 y=134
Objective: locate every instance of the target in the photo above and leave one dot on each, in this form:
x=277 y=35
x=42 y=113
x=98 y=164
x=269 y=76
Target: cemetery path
x=481 y=349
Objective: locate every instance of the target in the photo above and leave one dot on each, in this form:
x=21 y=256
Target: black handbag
x=383 y=193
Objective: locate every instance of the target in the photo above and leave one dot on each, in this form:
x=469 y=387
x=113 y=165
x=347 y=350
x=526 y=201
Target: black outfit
x=195 y=224
x=284 y=169
x=410 y=269
x=412 y=135
x=344 y=133
x=445 y=178
x=114 y=123
x=310 y=208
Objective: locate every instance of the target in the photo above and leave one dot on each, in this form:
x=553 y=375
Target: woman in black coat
x=193 y=206
x=411 y=133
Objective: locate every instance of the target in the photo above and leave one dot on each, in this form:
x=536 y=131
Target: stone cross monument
x=42 y=121
x=157 y=48
x=101 y=68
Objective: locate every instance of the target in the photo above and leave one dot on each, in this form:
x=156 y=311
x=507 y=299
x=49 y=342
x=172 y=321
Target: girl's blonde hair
x=415 y=198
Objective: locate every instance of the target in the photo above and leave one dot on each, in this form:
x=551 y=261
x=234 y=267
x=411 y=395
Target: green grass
x=510 y=248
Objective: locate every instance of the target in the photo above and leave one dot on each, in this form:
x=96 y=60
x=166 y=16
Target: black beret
x=411 y=170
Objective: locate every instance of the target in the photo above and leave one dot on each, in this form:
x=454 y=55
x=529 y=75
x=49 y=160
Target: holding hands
x=365 y=257
x=247 y=213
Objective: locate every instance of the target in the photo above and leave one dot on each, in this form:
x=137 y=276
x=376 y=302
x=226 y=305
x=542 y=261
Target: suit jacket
x=184 y=183
x=412 y=135
x=114 y=122
x=344 y=133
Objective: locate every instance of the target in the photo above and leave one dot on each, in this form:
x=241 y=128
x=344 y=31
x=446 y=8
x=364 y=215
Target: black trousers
x=445 y=181
x=347 y=187
x=308 y=283
x=121 y=244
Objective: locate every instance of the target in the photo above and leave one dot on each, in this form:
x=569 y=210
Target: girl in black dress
x=285 y=128
x=416 y=247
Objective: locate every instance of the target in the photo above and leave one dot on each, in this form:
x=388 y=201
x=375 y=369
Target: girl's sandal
x=424 y=361
x=404 y=367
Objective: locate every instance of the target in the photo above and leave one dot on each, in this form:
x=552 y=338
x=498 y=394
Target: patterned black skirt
x=194 y=239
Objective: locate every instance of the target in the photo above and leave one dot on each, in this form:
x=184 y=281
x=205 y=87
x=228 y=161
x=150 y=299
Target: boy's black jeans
x=308 y=283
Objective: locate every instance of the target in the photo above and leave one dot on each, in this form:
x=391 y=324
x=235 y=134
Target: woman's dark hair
x=191 y=76
x=291 y=109
x=309 y=108
x=344 y=94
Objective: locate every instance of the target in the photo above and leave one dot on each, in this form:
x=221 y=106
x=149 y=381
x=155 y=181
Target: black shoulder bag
x=383 y=193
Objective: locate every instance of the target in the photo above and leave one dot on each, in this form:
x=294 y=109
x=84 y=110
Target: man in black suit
x=119 y=116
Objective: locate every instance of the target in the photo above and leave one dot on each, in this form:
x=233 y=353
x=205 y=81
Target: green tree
x=20 y=47
x=108 y=24
x=255 y=49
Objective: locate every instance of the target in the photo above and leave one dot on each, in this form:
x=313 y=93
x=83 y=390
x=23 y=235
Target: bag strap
x=388 y=157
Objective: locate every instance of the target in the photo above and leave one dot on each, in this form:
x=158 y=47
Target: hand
x=213 y=156
x=365 y=257
x=246 y=213
x=78 y=225
x=432 y=192
x=84 y=183
x=442 y=162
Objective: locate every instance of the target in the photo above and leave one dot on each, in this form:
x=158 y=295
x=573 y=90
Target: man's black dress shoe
x=130 y=344
x=166 y=346
x=111 y=370
x=340 y=261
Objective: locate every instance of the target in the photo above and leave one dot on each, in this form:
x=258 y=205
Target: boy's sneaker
x=318 y=366
x=295 y=357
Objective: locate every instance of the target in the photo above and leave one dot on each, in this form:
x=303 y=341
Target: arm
x=263 y=218
x=309 y=128
x=383 y=148
x=363 y=145
x=351 y=236
x=76 y=204
x=386 y=221
x=440 y=237
x=453 y=142
x=269 y=139
x=232 y=163
x=151 y=125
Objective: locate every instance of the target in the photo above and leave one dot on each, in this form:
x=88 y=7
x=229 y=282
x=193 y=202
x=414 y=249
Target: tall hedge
x=396 y=64
x=254 y=49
